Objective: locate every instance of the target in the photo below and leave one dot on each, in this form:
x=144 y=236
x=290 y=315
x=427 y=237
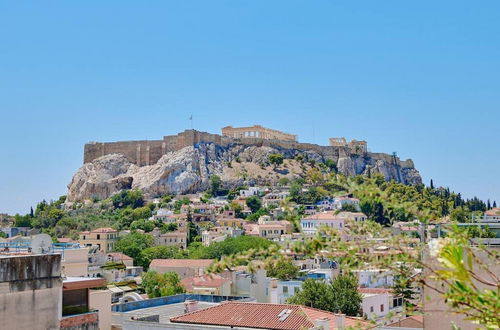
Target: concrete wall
x=437 y=314
x=30 y=291
x=101 y=300
x=75 y=262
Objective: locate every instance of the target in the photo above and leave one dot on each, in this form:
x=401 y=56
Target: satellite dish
x=41 y=243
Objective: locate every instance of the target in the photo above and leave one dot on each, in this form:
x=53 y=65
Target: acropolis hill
x=184 y=162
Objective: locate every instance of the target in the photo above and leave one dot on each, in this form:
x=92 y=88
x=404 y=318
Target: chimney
x=340 y=321
x=190 y=306
x=322 y=323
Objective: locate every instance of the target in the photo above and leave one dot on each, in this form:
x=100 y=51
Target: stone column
x=138 y=155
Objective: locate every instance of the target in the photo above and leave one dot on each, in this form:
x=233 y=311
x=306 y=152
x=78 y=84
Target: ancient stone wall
x=147 y=152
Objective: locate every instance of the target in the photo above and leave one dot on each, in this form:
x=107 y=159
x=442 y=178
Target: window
x=285 y=290
x=397 y=302
x=382 y=307
x=98 y=236
x=371 y=309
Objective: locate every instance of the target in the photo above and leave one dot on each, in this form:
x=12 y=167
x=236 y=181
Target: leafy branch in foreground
x=457 y=267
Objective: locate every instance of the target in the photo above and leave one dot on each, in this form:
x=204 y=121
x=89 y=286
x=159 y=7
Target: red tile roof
x=374 y=290
x=324 y=216
x=119 y=255
x=205 y=281
x=104 y=230
x=178 y=263
x=262 y=316
x=493 y=212
x=415 y=321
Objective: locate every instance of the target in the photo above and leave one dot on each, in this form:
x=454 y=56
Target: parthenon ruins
x=354 y=145
x=258 y=132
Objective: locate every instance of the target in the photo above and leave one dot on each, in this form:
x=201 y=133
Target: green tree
x=254 y=203
x=22 y=221
x=404 y=285
x=344 y=290
x=229 y=246
x=459 y=215
x=160 y=285
x=141 y=213
x=331 y=165
x=314 y=294
x=276 y=159
x=142 y=224
x=132 y=198
x=340 y=295
x=215 y=184
x=132 y=244
x=282 y=269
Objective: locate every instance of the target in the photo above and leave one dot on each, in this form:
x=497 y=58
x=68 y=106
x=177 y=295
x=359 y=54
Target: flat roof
x=73 y=283
x=165 y=311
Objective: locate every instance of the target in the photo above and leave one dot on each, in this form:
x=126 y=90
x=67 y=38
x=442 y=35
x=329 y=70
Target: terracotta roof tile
x=262 y=316
x=205 y=281
x=180 y=263
x=375 y=290
x=119 y=255
x=105 y=230
x=323 y=216
x=493 y=212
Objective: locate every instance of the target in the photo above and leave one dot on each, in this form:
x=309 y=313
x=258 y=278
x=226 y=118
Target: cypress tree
x=494 y=204
x=432 y=184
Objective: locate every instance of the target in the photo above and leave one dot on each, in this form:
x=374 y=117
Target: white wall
x=101 y=300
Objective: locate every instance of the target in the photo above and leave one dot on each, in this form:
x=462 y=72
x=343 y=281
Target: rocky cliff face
x=188 y=170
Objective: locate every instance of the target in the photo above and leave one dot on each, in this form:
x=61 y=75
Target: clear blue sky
x=421 y=78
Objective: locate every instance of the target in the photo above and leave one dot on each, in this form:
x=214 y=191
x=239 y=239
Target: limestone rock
x=188 y=170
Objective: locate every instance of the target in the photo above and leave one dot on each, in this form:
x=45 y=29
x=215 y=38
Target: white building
x=342 y=201
x=374 y=278
x=163 y=215
x=251 y=191
x=252 y=284
x=286 y=289
x=312 y=223
x=378 y=303
x=353 y=216
x=492 y=215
